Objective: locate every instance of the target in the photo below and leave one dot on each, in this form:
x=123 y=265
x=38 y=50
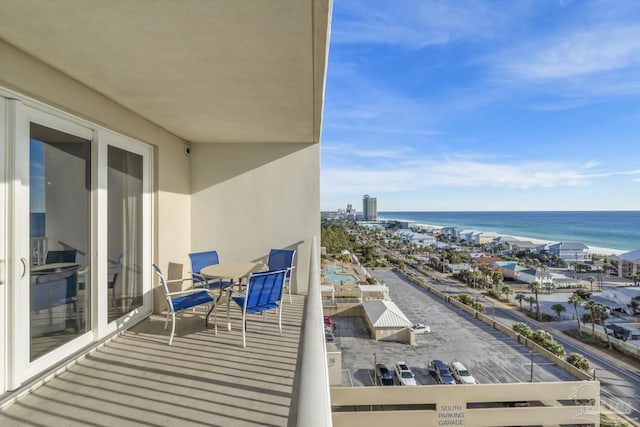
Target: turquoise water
x=331 y=276
x=606 y=229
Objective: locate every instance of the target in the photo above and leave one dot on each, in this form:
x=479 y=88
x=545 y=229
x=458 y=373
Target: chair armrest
x=185 y=279
x=189 y=292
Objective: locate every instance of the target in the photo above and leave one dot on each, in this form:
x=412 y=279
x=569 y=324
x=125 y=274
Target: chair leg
x=280 y=320
x=244 y=326
x=215 y=317
x=228 y=315
x=173 y=326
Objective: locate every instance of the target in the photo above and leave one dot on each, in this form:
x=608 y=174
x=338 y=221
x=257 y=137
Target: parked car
x=421 y=328
x=383 y=375
x=439 y=370
x=461 y=374
x=329 y=336
x=404 y=374
x=583 y=293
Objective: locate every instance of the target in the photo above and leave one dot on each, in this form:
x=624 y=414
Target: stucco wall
x=249 y=198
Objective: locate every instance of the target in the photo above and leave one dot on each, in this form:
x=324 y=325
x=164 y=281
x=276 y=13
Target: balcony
x=136 y=378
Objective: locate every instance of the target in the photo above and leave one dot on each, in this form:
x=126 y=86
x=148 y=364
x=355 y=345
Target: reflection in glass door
x=125 y=231
x=59 y=225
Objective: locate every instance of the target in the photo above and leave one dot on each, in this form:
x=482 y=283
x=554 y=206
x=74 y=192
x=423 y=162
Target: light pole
x=375 y=363
x=531 y=356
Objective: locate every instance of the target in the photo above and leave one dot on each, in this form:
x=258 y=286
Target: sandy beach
x=593 y=250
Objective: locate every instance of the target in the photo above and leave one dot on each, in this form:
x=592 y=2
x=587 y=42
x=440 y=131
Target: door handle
x=24 y=267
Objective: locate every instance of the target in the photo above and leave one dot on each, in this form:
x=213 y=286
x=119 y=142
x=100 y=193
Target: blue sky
x=483 y=105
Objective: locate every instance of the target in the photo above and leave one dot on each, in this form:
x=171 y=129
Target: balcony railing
x=314 y=405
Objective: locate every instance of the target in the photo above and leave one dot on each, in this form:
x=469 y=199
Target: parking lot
x=490 y=356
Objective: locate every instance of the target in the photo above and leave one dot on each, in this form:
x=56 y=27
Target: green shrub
x=579 y=361
x=522 y=329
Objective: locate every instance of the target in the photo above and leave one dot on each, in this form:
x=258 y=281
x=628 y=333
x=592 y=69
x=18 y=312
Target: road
x=619 y=383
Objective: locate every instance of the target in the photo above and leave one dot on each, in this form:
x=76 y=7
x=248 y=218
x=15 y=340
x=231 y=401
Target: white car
x=421 y=328
x=404 y=374
x=461 y=374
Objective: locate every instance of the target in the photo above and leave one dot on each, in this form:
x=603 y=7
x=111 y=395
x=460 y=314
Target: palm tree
x=506 y=290
x=591 y=306
x=591 y=279
x=496 y=278
x=559 y=309
x=530 y=300
x=576 y=300
x=601 y=312
x=535 y=288
x=519 y=297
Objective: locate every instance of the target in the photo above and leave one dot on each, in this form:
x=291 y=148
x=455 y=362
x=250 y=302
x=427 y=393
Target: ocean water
x=619 y=230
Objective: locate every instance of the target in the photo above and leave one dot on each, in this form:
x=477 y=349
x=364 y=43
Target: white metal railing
x=39 y=249
x=314 y=404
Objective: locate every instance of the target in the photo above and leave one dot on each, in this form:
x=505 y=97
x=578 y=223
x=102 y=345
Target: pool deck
x=348 y=289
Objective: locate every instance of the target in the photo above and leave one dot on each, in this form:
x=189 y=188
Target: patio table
x=234 y=272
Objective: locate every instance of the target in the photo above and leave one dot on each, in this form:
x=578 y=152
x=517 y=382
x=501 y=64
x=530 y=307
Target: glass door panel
x=59 y=228
x=124 y=232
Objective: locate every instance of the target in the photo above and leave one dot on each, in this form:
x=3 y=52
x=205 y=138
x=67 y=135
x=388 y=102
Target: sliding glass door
x=125 y=231
x=60 y=236
x=78 y=237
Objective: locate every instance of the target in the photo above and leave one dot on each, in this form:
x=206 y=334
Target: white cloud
x=590 y=164
x=417 y=175
x=590 y=51
x=415 y=24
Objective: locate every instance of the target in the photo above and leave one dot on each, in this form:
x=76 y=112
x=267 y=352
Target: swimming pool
x=331 y=276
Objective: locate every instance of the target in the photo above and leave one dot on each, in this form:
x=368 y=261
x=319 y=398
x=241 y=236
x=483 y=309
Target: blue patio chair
x=282 y=259
x=181 y=300
x=200 y=260
x=262 y=293
x=111 y=284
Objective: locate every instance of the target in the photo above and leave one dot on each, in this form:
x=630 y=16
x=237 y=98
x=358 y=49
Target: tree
x=496 y=278
x=601 y=312
x=575 y=299
x=591 y=279
x=519 y=297
x=559 y=309
x=535 y=288
x=591 y=306
x=507 y=290
x=531 y=301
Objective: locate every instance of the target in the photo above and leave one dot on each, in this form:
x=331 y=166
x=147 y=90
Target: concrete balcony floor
x=137 y=379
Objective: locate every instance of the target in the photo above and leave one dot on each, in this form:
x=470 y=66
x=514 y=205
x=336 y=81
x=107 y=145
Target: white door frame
x=4 y=315
x=15 y=338
x=23 y=368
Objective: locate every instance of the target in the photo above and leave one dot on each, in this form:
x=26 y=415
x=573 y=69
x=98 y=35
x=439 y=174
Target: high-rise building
x=369 y=208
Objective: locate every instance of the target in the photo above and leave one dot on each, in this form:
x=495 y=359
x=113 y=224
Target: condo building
x=369 y=208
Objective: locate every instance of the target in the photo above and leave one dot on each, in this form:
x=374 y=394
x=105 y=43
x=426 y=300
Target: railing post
x=314 y=401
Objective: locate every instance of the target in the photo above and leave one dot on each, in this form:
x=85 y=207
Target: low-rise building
x=571 y=251
x=627 y=264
